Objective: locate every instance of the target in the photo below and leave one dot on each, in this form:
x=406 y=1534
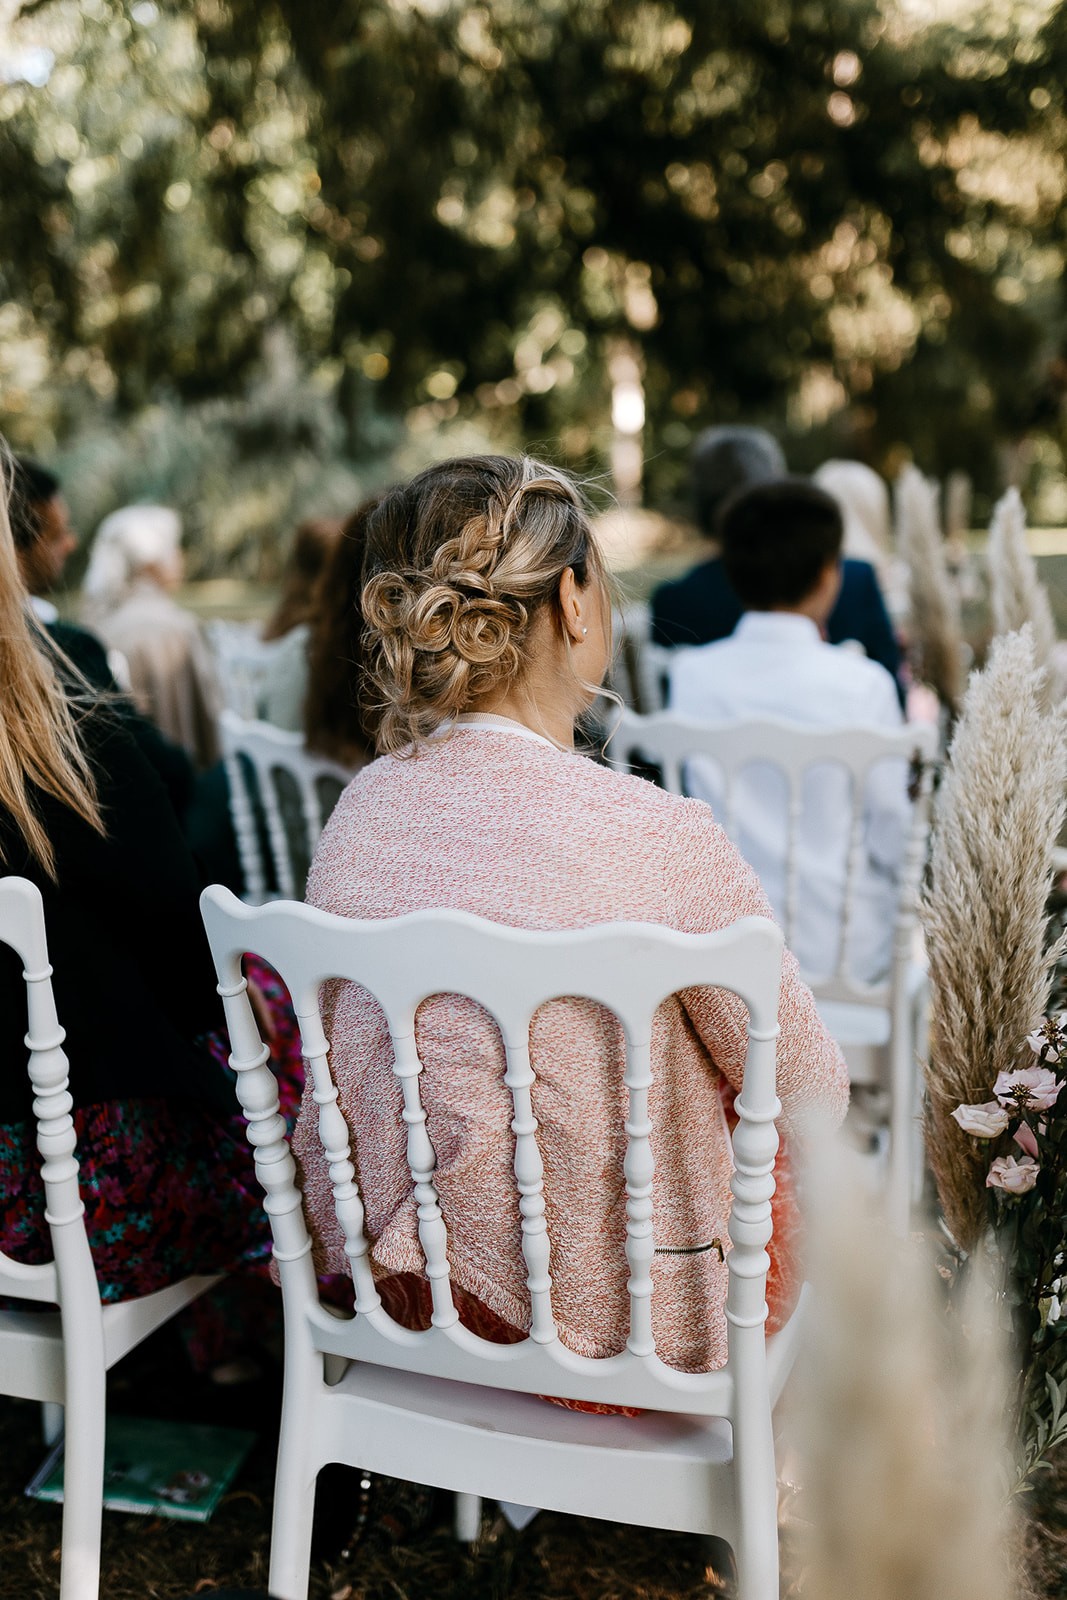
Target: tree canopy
x=826 y=214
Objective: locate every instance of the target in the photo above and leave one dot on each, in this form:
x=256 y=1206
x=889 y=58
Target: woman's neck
x=521 y=705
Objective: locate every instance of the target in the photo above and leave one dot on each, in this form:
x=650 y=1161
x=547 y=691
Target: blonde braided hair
x=459 y=562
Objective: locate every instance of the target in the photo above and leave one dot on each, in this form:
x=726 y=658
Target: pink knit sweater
x=500 y=823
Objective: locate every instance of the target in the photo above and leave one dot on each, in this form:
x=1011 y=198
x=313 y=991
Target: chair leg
x=290 y=1539
x=902 y=1154
x=756 y=1550
x=295 y=1480
x=83 y=1493
x=468 y=1517
x=51 y=1420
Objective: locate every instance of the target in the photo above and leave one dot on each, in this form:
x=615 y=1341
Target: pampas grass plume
x=900 y=1417
x=1017 y=595
x=935 y=609
x=997 y=817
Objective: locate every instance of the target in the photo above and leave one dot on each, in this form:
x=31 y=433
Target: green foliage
x=813 y=214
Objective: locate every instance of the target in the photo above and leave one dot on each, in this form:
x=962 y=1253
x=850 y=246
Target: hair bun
x=484 y=630
x=432 y=617
x=463 y=558
x=385 y=601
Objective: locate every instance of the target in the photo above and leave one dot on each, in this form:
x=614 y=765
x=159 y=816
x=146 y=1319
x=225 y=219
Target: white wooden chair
x=62 y=1358
x=241 y=660
x=296 y=789
x=644 y=668
x=879 y=1025
x=445 y=1407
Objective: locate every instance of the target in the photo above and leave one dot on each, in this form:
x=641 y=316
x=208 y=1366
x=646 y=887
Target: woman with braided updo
x=487 y=634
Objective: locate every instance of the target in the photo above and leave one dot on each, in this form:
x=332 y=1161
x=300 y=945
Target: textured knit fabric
x=512 y=829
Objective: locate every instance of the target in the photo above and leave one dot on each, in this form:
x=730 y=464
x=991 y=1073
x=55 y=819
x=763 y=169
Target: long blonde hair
x=39 y=743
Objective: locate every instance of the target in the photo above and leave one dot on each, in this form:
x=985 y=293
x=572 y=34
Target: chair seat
x=31 y=1354
x=31 y=1341
x=662 y=1469
x=127 y=1323
x=868 y=1026
x=864 y=1031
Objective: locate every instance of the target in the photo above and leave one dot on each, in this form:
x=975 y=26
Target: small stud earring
x=584 y=632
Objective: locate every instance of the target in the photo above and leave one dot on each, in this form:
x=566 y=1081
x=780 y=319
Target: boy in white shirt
x=782 y=554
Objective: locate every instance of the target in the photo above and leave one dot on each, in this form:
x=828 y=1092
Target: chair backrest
x=69 y=1280
x=645 y=667
x=241 y=660
x=629 y=968
x=296 y=789
x=671 y=742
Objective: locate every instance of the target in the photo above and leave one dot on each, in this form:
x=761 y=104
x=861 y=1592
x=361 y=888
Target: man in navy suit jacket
x=701 y=606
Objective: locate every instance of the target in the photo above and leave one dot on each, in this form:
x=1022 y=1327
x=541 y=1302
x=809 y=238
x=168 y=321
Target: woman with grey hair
x=135 y=565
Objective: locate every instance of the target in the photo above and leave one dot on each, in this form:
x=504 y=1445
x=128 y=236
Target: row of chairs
x=281 y=795
x=442 y=1407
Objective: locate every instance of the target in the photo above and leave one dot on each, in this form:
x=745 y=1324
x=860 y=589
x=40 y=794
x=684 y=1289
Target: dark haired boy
x=782 y=553
x=701 y=605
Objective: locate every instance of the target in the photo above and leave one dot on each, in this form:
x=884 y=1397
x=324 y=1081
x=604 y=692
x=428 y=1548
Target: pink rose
x=1028 y=1086
x=1026 y=1139
x=1014 y=1177
x=1047 y=1037
x=983 y=1122
x=1039 y=1041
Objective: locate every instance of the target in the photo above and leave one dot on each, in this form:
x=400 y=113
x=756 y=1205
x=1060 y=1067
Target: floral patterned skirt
x=169 y=1190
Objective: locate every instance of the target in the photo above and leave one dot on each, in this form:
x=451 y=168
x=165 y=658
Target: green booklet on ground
x=168 y=1469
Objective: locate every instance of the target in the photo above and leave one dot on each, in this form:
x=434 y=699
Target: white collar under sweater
x=490 y=723
x=777 y=627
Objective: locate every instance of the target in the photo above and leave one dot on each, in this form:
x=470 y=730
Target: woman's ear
x=572 y=606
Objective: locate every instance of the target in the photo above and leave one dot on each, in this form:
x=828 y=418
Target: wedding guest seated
x=284 y=683
x=165 y=1173
x=44 y=541
x=487 y=632
x=334 y=721
x=863 y=497
x=134 y=567
x=781 y=544
x=325 y=688
x=44 y=538
x=702 y=606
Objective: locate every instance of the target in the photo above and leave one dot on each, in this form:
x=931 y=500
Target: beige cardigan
x=172 y=676
x=496 y=821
